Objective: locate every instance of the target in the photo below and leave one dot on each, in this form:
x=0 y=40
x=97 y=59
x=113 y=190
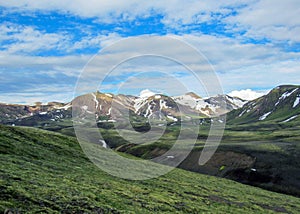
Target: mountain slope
x=47 y=172
x=110 y=107
x=282 y=104
x=32 y=115
x=212 y=106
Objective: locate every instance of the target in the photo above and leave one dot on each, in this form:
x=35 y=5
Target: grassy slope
x=275 y=148
x=46 y=172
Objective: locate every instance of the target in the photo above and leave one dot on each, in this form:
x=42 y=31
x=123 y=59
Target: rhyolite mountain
x=109 y=107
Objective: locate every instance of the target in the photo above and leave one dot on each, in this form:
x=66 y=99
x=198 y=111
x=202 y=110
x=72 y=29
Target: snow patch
x=297 y=101
x=265 y=116
x=109 y=111
x=66 y=107
x=104 y=145
x=84 y=107
x=243 y=112
x=172 y=118
x=186 y=100
x=162 y=104
x=106 y=121
x=109 y=95
x=289 y=119
x=96 y=101
x=285 y=95
x=148 y=111
x=139 y=103
x=238 y=103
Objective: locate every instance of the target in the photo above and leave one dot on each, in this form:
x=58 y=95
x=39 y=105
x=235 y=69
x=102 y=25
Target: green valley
x=47 y=172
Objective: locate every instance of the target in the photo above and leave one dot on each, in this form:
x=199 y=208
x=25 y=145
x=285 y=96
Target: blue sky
x=44 y=45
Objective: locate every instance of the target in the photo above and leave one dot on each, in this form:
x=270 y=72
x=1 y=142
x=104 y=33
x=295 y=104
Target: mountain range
x=281 y=105
x=109 y=107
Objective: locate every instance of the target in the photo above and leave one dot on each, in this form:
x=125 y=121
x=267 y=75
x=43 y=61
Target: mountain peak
x=192 y=94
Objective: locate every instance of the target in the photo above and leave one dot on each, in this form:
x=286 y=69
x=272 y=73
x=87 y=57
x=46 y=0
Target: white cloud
x=26 y=39
x=146 y=93
x=173 y=12
x=99 y=41
x=15 y=62
x=246 y=94
x=238 y=66
x=225 y=54
x=257 y=18
x=268 y=19
x=263 y=75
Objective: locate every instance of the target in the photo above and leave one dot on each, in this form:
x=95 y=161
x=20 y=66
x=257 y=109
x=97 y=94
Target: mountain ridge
x=280 y=105
x=108 y=106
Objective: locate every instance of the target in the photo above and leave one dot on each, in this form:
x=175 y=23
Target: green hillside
x=280 y=105
x=45 y=172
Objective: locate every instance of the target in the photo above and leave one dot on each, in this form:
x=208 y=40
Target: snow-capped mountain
x=157 y=106
x=282 y=104
x=212 y=106
x=110 y=107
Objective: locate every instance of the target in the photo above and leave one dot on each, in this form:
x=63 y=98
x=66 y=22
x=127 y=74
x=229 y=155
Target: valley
x=47 y=172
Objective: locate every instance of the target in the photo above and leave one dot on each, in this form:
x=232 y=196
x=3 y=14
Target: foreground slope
x=47 y=172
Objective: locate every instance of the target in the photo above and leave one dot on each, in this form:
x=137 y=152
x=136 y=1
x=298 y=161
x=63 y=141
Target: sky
x=45 y=46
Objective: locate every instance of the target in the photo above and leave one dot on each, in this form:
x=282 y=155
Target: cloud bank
x=247 y=94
